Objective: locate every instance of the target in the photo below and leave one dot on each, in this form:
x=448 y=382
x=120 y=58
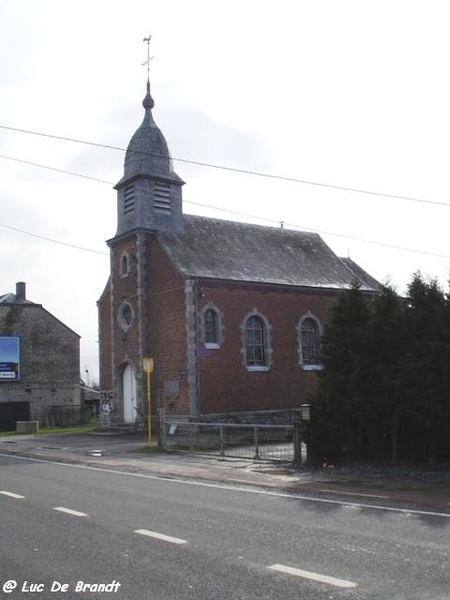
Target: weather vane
x=149 y=58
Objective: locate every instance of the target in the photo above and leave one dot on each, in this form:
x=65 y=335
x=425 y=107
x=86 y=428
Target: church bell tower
x=149 y=193
x=149 y=201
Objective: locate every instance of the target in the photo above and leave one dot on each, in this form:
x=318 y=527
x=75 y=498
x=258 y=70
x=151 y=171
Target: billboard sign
x=9 y=358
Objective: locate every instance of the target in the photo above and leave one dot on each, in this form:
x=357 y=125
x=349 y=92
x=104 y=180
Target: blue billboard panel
x=9 y=358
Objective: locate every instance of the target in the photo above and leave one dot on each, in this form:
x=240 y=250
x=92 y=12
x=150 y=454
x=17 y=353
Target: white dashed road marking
x=69 y=511
x=342 y=583
x=12 y=495
x=160 y=536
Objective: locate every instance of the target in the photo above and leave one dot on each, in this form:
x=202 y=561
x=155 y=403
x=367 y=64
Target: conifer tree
x=339 y=411
x=387 y=342
x=384 y=392
x=426 y=387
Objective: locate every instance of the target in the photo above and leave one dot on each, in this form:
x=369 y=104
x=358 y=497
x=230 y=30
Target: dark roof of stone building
x=219 y=249
x=19 y=299
x=11 y=298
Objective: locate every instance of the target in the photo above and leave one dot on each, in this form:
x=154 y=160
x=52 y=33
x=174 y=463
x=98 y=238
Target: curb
x=324 y=484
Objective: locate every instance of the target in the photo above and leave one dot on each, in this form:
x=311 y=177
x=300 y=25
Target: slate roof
x=219 y=249
x=147 y=152
x=11 y=298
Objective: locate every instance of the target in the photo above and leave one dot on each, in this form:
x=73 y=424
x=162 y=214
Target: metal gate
x=248 y=441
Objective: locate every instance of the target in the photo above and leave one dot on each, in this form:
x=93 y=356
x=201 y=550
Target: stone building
x=230 y=312
x=39 y=362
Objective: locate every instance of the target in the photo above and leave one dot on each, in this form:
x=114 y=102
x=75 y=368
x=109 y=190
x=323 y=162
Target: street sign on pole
x=148 y=366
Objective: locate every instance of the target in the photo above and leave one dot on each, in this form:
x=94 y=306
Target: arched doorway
x=129 y=394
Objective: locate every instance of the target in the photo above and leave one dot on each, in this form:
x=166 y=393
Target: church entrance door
x=129 y=394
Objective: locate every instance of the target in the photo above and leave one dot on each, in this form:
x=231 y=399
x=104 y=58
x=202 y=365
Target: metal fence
x=264 y=442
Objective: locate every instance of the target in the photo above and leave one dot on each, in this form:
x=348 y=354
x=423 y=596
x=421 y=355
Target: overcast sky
x=351 y=94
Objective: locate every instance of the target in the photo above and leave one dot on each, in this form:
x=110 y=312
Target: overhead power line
x=34 y=164
x=324 y=232
x=234 y=169
x=48 y=239
x=225 y=210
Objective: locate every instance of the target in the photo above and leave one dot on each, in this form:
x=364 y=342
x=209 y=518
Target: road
x=176 y=540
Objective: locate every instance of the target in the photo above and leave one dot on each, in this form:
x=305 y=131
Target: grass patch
x=149 y=450
x=46 y=430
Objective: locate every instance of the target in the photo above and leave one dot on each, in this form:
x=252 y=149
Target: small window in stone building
x=128 y=200
x=124 y=264
x=211 y=327
x=309 y=343
x=255 y=342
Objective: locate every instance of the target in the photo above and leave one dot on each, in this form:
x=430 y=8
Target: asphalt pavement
x=71 y=526
x=424 y=489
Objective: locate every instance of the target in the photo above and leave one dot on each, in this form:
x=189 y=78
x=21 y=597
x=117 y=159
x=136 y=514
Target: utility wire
x=47 y=239
x=225 y=210
x=33 y=164
x=323 y=231
x=233 y=169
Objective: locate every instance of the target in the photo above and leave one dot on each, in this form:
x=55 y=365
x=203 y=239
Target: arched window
x=310 y=343
x=255 y=342
x=124 y=264
x=211 y=325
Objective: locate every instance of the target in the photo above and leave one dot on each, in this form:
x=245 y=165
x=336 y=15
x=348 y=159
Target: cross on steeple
x=148 y=100
x=149 y=58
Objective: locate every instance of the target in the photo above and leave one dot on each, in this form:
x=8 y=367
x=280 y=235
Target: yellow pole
x=148 y=365
x=149 y=412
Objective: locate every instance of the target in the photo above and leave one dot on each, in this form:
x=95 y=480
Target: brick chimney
x=20 y=290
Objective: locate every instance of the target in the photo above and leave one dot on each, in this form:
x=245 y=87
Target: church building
x=230 y=313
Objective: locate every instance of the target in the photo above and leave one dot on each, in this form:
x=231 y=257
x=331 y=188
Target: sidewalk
x=428 y=491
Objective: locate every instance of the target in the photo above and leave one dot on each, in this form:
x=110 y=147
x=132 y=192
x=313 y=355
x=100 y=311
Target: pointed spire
x=147 y=153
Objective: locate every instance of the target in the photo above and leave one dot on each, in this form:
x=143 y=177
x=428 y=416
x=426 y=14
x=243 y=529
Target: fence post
x=297 y=442
x=256 y=444
x=222 y=441
x=191 y=439
x=162 y=428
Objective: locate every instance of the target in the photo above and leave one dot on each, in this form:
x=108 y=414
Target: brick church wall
x=226 y=385
x=167 y=330
x=124 y=291
x=104 y=326
x=197 y=379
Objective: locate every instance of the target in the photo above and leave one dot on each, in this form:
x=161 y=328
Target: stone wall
x=49 y=358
